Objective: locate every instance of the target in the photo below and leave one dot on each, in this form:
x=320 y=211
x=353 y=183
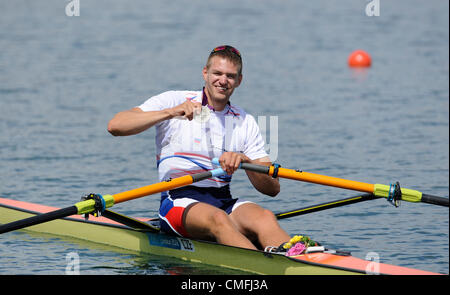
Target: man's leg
x=204 y=221
x=254 y=221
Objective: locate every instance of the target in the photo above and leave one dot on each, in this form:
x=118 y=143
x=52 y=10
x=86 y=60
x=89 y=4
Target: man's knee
x=220 y=222
x=266 y=216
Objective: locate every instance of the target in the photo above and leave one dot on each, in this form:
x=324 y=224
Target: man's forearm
x=265 y=184
x=134 y=121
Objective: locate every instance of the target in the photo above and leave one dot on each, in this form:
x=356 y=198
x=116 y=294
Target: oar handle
x=256 y=168
x=247 y=166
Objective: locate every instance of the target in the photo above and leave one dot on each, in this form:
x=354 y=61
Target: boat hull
x=101 y=230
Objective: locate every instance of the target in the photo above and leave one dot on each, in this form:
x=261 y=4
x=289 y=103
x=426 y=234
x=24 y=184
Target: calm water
x=62 y=78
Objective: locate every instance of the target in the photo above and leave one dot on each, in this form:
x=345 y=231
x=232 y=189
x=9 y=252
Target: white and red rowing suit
x=187 y=147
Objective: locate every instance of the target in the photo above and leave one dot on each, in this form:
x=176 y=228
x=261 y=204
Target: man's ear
x=239 y=80
x=204 y=72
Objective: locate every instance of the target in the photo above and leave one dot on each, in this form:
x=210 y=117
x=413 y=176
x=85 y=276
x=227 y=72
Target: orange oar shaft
x=310 y=177
x=152 y=189
x=323 y=179
x=166 y=185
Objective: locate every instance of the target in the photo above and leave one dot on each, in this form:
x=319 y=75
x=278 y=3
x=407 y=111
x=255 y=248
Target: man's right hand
x=135 y=120
x=186 y=110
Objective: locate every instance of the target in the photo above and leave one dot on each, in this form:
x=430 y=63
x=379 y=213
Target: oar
x=392 y=193
x=102 y=202
x=130 y=222
x=324 y=206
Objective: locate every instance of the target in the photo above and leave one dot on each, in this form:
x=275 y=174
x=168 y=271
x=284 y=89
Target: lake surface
x=62 y=78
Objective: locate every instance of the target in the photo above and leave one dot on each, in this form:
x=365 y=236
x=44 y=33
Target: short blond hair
x=228 y=52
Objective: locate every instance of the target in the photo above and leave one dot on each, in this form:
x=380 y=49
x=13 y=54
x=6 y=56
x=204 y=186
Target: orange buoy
x=359 y=58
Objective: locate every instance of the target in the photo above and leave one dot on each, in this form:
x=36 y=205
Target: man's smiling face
x=221 y=78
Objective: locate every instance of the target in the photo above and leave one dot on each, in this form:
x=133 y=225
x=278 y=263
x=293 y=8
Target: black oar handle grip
x=247 y=166
x=255 y=168
x=429 y=199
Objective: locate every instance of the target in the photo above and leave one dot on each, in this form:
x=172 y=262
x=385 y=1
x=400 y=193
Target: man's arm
x=135 y=120
x=265 y=184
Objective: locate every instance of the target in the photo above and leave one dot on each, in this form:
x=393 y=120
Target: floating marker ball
x=359 y=58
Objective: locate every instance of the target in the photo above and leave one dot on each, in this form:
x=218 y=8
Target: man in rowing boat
x=192 y=127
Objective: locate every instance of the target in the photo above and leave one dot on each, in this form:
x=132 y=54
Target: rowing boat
x=150 y=240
